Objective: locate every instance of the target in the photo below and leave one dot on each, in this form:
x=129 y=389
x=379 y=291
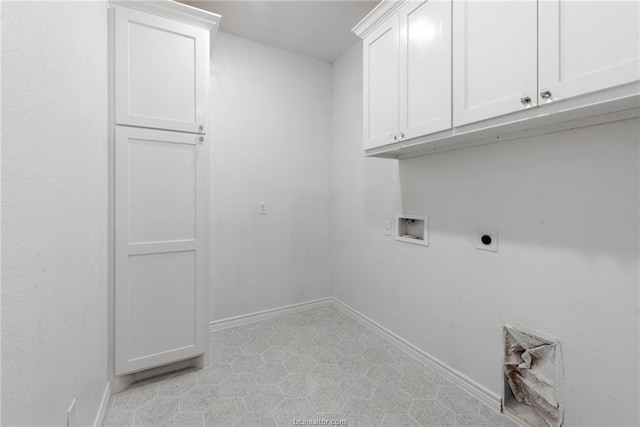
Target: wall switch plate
x=487 y=240
x=71 y=414
x=387 y=228
x=262 y=210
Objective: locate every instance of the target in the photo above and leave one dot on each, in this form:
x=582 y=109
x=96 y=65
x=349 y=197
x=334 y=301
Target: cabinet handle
x=401 y=135
x=525 y=100
x=545 y=94
x=200 y=127
x=394 y=137
x=201 y=140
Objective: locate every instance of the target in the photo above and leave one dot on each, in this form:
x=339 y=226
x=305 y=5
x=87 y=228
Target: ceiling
x=319 y=29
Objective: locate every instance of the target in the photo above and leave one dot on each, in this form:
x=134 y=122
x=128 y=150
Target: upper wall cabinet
x=381 y=89
x=425 y=68
x=586 y=46
x=520 y=68
x=494 y=58
x=160 y=72
x=407 y=74
x=500 y=67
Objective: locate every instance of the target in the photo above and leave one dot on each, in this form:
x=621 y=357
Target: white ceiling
x=319 y=29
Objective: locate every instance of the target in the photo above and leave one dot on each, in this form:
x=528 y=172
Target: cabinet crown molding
x=374 y=18
x=176 y=11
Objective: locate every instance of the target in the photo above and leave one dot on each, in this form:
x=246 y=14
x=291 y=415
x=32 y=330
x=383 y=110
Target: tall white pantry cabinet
x=159 y=56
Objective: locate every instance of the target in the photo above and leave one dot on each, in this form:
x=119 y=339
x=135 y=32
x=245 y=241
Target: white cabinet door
x=161 y=67
x=425 y=67
x=585 y=46
x=380 y=84
x=495 y=58
x=160 y=259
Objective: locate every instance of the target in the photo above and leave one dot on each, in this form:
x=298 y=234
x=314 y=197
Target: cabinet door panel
x=495 y=58
x=587 y=46
x=160 y=259
x=425 y=67
x=161 y=71
x=380 y=84
x=159 y=284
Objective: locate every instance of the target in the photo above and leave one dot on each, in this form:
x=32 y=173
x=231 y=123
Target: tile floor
x=318 y=364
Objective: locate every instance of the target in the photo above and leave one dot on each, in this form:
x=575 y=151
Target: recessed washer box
x=412 y=229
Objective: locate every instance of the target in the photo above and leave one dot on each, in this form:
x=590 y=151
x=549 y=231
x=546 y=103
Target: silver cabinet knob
x=401 y=135
x=545 y=94
x=200 y=127
x=394 y=137
x=525 y=100
x=201 y=140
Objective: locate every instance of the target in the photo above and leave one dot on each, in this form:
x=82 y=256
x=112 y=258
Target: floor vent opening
x=532 y=372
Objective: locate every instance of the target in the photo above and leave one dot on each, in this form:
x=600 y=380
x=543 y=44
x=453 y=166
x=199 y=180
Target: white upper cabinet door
x=160 y=244
x=425 y=67
x=161 y=68
x=380 y=85
x=494 y=58
x=586 y=46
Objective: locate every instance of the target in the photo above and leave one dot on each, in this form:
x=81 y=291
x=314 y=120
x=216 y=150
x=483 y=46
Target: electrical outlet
x=262 y=210
x=387 y=228
x=487 y=240
x=71 y=414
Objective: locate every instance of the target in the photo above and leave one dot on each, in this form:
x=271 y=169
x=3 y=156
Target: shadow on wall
x=575 y=190
x=566 y=209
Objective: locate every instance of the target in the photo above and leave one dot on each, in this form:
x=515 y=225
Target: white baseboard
x=485 y=396
x=229 y=322
x=104 y=403
x=121 y=382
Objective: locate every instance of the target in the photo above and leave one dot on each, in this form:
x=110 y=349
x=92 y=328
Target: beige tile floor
x=318 y=364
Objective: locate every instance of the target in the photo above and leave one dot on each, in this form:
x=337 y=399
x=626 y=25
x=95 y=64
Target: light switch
x=387 y=228
x=262 y=210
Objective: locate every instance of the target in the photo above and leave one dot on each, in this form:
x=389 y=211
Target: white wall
x=54 y=211
x=566 y=207
x=270 y=135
